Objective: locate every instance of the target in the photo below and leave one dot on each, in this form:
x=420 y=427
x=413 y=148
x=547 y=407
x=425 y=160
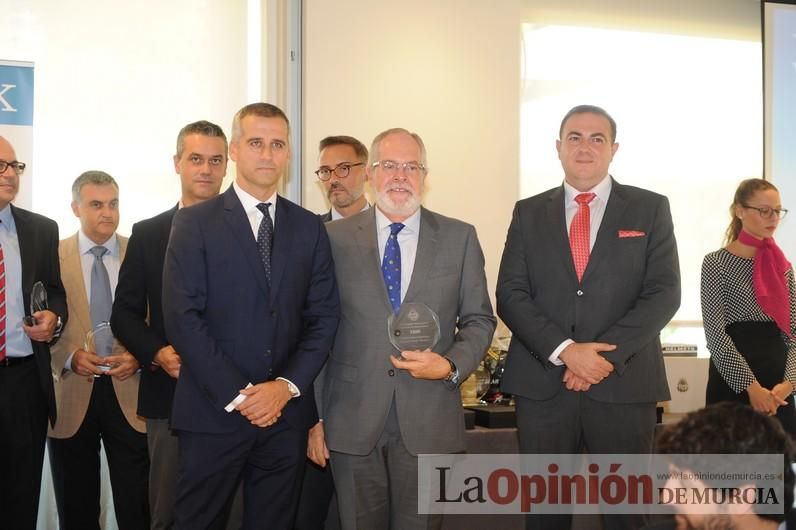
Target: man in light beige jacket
x=96 y=382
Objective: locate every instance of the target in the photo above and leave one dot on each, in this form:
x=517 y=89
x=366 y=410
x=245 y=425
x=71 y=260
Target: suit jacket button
x=273 y=313
x=391 y=372
x=267 y=353
x=579 y=293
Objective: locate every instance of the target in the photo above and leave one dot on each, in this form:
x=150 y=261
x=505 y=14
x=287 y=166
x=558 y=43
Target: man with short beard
x=382 y=407
x=341 y=170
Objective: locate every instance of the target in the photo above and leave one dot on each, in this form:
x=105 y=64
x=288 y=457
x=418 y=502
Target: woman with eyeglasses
x=748 y=307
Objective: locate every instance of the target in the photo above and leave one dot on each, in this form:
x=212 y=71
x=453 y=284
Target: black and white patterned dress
x=745 y=344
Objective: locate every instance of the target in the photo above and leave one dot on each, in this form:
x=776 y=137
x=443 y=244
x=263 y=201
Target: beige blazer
x=72 y=391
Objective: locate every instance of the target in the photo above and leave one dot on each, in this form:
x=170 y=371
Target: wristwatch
x=453 y=375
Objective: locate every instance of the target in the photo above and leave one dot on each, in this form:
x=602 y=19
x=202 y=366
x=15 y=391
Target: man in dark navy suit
x=250 y=303
x=137 y=318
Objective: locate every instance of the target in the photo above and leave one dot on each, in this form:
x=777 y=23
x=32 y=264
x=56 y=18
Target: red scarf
x=769 y=281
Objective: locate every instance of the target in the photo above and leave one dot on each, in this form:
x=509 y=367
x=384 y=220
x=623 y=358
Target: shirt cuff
x=294 y=390
x=237 y=401
x=68 y=363
x=554 y=356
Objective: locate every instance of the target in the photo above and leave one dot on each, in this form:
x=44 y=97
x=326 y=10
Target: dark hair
x=745 y=190
x=589 y=109
x=732 y=428
x=205 y=128
x=359 y=148
x=263 y=110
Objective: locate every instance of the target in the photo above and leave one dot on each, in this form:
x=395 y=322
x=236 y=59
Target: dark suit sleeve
x=185 y=279
x=476 y=323
x=659 y=297
x=320 y=316
x=515 y=301
x=56 y=294
x=129 y=316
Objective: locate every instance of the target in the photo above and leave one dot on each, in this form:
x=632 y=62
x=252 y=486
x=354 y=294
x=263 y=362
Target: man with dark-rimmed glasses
x=342 y=173
x=341 y=170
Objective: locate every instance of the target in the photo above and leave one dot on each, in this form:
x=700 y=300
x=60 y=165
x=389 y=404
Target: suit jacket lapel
x=241 y=230
x=558 y=222
x=26 y=239
x=72 y=272
x=607 y=234
x=426 y=252
x=368 y=244
x=280 y=253
x=165 y=230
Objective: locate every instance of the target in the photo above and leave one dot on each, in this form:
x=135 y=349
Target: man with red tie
x=588 y=279
x=28 y=254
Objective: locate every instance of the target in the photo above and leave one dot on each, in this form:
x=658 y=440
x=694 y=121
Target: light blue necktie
x=101 y=300
x=391 y=267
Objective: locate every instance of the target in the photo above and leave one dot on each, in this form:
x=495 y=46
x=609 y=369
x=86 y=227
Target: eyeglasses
x=769 y=213
x=341 y=170
x=18 y=167
x=391 y=167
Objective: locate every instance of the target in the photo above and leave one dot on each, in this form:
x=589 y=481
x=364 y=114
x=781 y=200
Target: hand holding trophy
x=99 y=340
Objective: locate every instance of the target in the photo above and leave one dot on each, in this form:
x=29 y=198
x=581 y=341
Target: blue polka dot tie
x=391 y=267
x=265 y=238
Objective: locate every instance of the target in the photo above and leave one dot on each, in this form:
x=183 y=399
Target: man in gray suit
x=588 y=279
x=382 y=407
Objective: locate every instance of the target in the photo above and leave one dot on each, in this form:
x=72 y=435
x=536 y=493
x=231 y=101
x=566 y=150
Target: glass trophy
x=414 y=327
x=99 y=340
x=475 y=387
x=38 y=302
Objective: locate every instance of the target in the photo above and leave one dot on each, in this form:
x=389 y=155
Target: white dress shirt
x=596 y=207
x=112 y=261
x=255 y=217
x=407 y=241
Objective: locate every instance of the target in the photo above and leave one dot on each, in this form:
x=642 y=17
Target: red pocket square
x=631 y=233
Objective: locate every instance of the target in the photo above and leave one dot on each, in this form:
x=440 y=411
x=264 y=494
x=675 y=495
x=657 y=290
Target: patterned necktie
x=265 y=238
x=391 y=267
x=2 y=305
x=579 y=236
x=101 y=300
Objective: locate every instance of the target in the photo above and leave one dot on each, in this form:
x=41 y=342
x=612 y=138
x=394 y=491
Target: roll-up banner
x=16 y=120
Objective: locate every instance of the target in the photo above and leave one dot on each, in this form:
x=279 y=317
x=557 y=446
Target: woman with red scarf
x=748 y=307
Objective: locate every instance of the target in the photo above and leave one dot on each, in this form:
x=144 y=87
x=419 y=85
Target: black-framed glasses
x=341 y=170
x=18 y=167
x=391 y=167
x=769 y=213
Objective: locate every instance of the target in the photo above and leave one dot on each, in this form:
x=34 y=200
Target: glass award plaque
x=99 y=340
x=414 y=327
x=38 y=302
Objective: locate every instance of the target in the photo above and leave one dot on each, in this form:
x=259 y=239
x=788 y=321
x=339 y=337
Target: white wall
x=448 y=70
x=115 y=81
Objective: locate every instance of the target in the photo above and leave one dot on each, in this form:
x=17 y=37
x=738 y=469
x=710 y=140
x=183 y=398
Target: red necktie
x=2 y=306
x=579 y=233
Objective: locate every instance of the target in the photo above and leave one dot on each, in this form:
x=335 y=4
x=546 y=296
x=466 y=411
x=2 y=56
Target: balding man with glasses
x=28 y=254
